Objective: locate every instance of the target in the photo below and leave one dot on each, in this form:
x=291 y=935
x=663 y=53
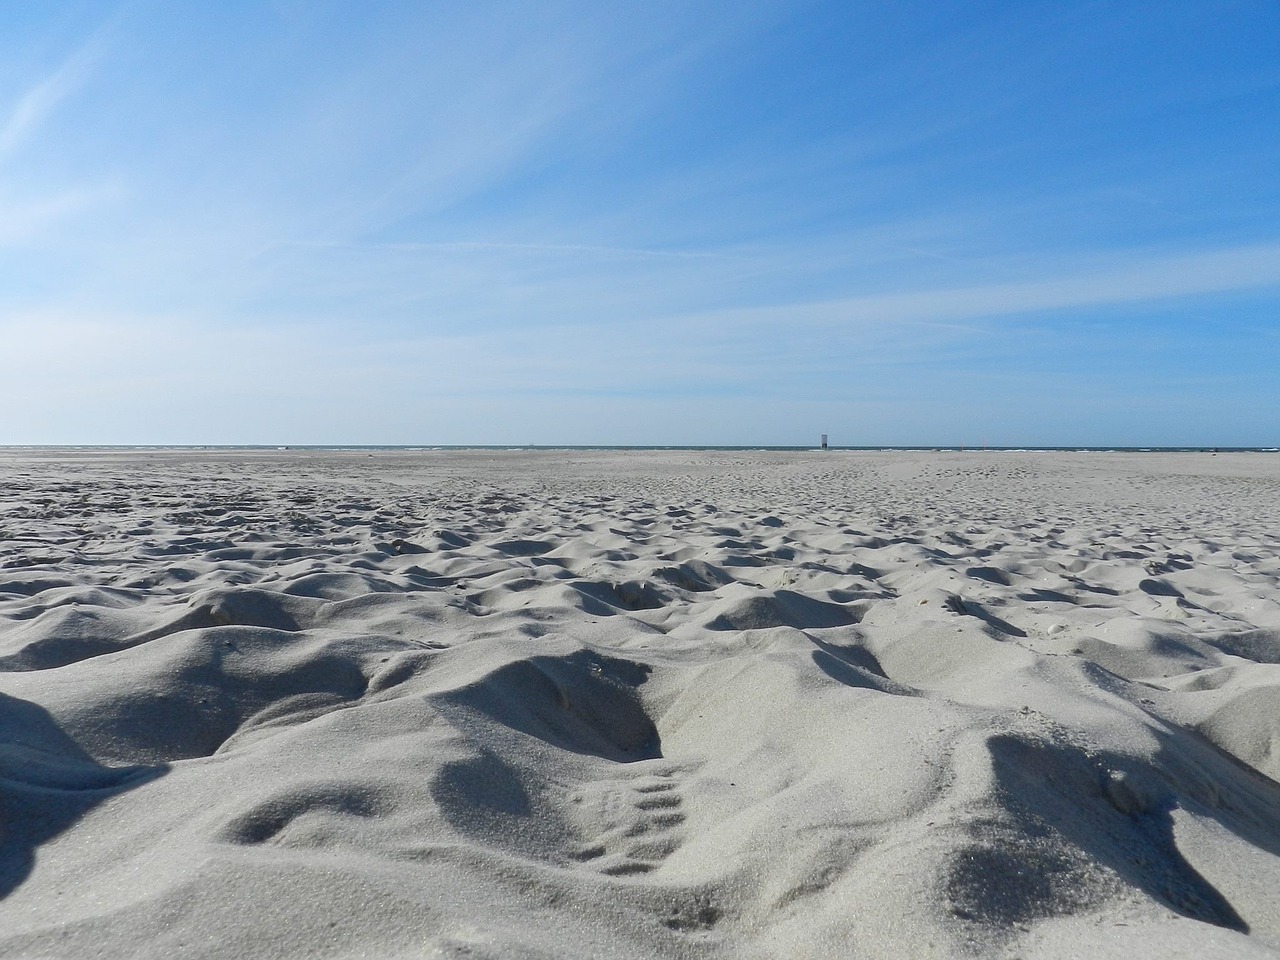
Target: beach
x=639 y=704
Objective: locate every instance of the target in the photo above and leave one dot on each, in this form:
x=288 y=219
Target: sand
x=639 y=704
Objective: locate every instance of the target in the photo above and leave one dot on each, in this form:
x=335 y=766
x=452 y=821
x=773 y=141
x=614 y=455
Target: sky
x=945 y=222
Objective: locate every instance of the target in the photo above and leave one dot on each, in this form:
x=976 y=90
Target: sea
x=740 y=448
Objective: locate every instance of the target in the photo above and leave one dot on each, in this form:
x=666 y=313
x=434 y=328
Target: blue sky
x=936 y=222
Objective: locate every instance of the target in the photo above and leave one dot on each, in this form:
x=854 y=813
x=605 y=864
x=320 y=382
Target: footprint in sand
x=628 y=826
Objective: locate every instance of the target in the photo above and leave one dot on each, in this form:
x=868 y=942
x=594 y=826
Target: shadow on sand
x=47 y=783
x=1119 y=811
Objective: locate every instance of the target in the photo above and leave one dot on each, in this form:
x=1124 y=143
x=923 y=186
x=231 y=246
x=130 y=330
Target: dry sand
x=678 y=704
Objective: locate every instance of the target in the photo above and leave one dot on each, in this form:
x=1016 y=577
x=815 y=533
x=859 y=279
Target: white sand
x=639 y=705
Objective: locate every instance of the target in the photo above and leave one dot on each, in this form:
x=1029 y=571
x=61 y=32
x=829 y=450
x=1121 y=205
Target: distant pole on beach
x=824 y=441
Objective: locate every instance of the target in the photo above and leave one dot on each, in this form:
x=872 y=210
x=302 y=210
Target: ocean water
x=410 y=448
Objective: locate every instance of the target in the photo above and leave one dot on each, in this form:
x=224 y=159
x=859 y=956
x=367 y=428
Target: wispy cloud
x=594 y=251
x=1162 y=278
x=23 y=219
x=35 y=104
